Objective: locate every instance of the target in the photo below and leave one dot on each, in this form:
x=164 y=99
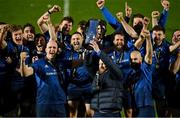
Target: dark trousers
x=147 y=111
x=161 y=107
x=107 y=114
x=50 y=110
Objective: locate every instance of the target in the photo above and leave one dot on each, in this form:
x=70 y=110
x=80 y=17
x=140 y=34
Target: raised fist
x=146 y=21
x=8 y=60
x=146 y=33
x=128 y=10
x=100 y=4
x=165 y=4
x=34 y=58
x=155 y=14
x=119 y=15
x=55 y=8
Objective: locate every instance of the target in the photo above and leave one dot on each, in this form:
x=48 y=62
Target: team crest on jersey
x=46 y=66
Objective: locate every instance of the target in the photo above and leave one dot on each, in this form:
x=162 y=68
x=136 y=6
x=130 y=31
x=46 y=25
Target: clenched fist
x=100 y=4
x=55 y=8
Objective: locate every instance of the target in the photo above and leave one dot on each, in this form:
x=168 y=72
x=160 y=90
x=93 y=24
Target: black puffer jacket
x=107 y=87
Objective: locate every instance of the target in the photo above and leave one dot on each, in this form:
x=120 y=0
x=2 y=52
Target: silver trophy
x=91 y=32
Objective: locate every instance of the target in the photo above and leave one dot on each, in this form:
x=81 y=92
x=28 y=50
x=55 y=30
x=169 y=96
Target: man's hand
x=145 y=33
x=100 y=4
x=128 y=10
x=176 y=37
x=34 y=58
x=119 y=15
x=95 y=46
x=155 y=14
x=8 y=60
x=55 y=8
x=146 y=21
x=165 y=4
x=23 y=56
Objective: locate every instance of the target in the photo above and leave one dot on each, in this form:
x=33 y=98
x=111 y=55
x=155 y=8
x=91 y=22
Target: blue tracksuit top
x=49 y=90
x=80 y=73
x=142 y=88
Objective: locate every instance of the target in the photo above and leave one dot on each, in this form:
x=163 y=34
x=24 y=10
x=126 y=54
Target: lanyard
x=157 y=57
x=118 y=60
x=80 y=55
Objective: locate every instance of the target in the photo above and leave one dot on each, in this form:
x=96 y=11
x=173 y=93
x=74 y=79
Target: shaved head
x=136 y=56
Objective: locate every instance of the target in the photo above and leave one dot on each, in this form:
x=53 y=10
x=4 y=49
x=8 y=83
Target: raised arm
x=149 y=49
x=126 y=26
x=107 y=61
x=155 y=15
x=107 y=14
x=42 y=20
x=143 y=33
x=175 y=41
x=174 y=68
x=51 y=30
x=110 y=18
x=174 y=46
x=164 y=15
x=3 y=34
x=140 y=40
x=25 y=70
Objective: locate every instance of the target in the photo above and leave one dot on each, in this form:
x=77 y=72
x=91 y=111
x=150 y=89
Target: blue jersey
x=160 y=68
x=172 y=60
x=118 y=26
x=4 y=70
x=142 y=88
x=49 y=90
x=79 y=75
x=3 y=66
x=13 y=51
x=122 y=59
x=161 y=56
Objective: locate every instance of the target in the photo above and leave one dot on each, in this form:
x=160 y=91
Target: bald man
x=50 y=97
x=140 y=81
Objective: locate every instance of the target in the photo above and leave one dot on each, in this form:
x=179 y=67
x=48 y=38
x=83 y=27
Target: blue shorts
x=78 y=93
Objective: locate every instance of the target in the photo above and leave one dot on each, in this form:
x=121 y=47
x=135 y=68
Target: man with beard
x=138 y=20
x=140 y=80
x=62 y=30
x=48 y=72
x=161 y=56
x=79 y=88
x=120 y=55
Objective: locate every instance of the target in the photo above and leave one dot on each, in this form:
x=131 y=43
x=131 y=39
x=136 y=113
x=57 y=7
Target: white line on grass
x=66 y=7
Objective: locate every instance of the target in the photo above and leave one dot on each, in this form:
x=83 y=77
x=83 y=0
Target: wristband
x=49 y=12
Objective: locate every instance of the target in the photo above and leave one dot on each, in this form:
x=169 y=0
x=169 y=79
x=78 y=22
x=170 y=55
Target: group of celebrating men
x=52 y=73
